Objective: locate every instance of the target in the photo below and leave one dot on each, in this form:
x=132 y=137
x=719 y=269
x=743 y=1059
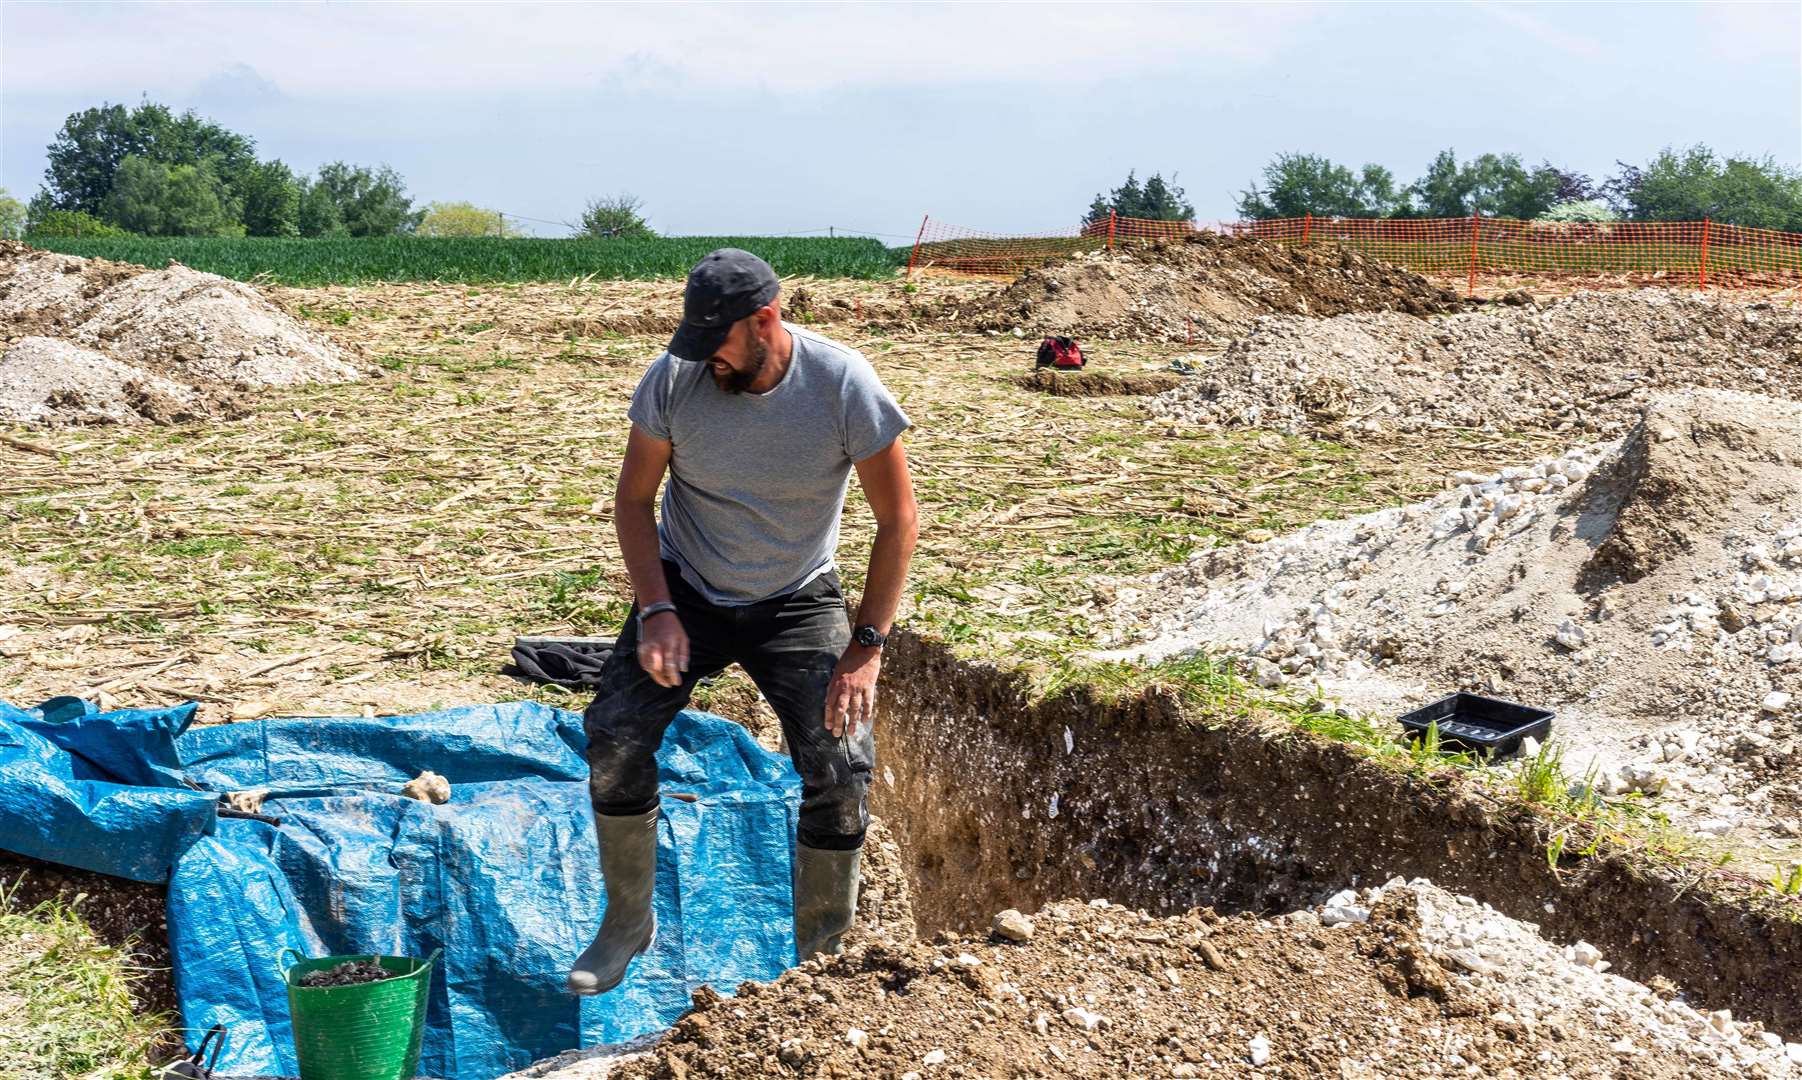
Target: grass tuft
x=65 y=998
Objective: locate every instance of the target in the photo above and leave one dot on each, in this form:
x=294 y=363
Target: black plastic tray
x=1480 y=724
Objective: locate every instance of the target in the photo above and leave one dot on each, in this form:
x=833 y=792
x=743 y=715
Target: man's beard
x=737 y=381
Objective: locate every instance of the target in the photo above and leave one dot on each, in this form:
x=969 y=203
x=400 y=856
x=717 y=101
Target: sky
x=792 y=118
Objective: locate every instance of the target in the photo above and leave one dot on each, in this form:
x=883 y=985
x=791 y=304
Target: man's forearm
x=636 y=526
x=889 y=557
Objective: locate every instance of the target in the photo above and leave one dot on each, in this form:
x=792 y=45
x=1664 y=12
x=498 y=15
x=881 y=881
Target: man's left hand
x=851 y=698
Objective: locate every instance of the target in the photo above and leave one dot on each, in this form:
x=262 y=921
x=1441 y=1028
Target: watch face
x=867 y=635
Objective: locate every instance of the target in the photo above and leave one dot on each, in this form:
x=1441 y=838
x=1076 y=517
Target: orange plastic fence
x=1687 y=253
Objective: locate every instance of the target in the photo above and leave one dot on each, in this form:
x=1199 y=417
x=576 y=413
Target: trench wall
x=995 y=807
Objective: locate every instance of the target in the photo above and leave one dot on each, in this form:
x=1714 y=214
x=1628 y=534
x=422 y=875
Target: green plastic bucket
x=366 y=1031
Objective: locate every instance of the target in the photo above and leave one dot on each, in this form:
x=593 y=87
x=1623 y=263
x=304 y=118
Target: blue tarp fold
x=504 y=878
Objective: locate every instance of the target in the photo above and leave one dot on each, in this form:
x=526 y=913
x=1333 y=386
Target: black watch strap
x=649 y=610
x=869 y=637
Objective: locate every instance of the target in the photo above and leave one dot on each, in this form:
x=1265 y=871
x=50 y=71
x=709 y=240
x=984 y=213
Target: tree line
x=1676 y=185
x=151 y=171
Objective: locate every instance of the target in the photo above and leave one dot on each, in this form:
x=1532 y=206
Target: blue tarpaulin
x=504 y=878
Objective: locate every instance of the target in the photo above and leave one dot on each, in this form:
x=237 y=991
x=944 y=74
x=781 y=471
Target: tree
x=1298 y=184
x=369 y=203
x=12 y=217
x=318 y=212
x=40 y=220
x=271 y=200
x=1155 y=200
x=88 y=151
x=1573 y=186
x=615 y=216
x=1494 y=185
x=155 y=199
x=1695 y=184
x=1443 y=190
x=463 y=219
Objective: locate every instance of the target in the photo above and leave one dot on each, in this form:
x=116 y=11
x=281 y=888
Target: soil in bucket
x=348 y=973
x=363 y=1024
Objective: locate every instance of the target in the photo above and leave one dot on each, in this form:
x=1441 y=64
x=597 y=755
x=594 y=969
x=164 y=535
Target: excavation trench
x=998 y=801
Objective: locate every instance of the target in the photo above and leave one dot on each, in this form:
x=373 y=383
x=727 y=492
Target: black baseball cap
x=724 y=287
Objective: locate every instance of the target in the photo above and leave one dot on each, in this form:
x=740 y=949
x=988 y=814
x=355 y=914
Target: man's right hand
x=663 y=648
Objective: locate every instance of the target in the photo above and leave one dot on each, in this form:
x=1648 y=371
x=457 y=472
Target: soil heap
x=1583 y=364
x=89 y=341
x=1406 y=980
x=1649 y=591
x=1206 y=285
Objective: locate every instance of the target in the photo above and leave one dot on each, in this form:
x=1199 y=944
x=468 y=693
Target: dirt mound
x=1205 y=285
x=1583 y=364
x=1402 y=981
x=97 y=342
x=46 y=380
x=1650 y=591
x=42 y=292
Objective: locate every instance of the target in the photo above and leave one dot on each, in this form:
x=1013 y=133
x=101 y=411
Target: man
x=759 y=425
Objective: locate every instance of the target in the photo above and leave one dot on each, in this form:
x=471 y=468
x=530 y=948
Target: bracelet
x=649 y=610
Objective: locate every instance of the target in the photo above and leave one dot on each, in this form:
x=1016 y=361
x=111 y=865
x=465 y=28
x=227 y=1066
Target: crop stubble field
x=393 y=535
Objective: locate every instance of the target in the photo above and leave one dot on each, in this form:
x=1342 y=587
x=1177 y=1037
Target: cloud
x=405 y=49
x=239 y=84
x=1743 y=30
x=1526 y=19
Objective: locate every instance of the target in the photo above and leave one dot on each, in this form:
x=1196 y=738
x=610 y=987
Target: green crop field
x=345 y=261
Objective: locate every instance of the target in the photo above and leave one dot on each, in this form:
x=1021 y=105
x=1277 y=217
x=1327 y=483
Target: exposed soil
x=1651 y=596
x=1204 y=287
x=1000 y=800
x=88 y=341
x=127 y=915
x=349 y=973
x=1097 y=990
x=1583 y=365
x=1098 y=383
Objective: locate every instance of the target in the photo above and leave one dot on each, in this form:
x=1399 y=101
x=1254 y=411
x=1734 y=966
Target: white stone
x=1775 y=702
x=933 y=1057
x=1586 y=954
x=1343 y=908
x=1078 y=1017
x=1013 y=926
x=1260 y=1050
x=1570 y=635
x=857 y=1037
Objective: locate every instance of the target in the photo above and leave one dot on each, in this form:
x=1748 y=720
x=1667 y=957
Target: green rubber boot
x=825 y=898
x=629 y=868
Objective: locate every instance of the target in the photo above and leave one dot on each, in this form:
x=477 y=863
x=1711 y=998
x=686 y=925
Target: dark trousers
x=788 y=645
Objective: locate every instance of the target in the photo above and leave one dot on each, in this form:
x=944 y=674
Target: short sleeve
x=650 y=402
x=872 y=418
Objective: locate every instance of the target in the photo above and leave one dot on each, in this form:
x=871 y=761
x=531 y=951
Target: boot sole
x=649 y=940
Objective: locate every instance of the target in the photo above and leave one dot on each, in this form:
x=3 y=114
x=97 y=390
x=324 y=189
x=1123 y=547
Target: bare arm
x=888 y=486
x=663 y=646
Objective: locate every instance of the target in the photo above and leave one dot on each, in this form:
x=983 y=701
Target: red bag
x=1061 y=353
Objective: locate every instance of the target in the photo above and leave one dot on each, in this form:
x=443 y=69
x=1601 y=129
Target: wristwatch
x=869 y=637
x=649 y=610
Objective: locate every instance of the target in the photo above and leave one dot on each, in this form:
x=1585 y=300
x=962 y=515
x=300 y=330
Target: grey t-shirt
x=757 y=481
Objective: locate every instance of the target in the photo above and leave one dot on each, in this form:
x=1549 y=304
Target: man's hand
x=851 y=698
x=663 y=648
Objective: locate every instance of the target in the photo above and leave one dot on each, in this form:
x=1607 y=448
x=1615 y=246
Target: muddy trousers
x=788 y=645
